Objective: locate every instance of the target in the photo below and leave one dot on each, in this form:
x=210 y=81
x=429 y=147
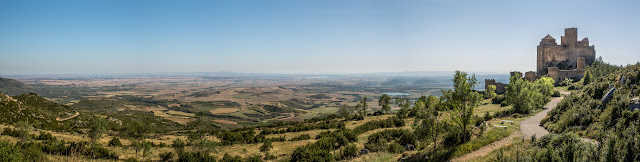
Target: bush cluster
x=74 y=148
x=246 y=137
x=299 y=127
x=321 y=149
x=389 y=140
x=301 y=137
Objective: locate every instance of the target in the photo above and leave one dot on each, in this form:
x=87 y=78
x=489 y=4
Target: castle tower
x=581 y=63
x=570 y=36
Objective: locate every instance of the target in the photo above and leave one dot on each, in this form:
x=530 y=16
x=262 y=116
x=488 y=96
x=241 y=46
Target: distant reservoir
x=397 y=94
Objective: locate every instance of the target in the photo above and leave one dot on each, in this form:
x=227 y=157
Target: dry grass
x=224 y=110
x=354 y=124
x=180 y=113
x=487 y=106
x=225 y=122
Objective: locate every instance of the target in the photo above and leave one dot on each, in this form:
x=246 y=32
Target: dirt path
x=532 y=126
x=71 y=117
x=484 y=150
x=528 y=128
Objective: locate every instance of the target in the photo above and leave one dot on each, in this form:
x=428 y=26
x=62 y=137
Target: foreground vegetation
x=424 y=128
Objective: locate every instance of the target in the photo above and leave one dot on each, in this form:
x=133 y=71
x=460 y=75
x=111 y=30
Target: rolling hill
x=13 y=87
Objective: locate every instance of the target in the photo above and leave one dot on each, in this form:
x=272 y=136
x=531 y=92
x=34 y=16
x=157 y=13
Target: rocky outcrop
x=607 y=96
x=635 y=104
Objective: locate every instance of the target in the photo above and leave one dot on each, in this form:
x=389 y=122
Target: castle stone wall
x=500 y=87
x=558 y=75
x=530 y=76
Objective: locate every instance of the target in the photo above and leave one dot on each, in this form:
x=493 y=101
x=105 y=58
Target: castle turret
x=585 y=42
x=570 y=36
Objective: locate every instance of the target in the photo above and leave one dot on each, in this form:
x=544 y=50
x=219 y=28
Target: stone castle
x=567 y=60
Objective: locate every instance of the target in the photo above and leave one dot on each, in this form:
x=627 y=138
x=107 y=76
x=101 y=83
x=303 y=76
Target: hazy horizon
x=301 y=37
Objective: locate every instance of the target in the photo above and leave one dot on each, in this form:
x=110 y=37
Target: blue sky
x=298 y=36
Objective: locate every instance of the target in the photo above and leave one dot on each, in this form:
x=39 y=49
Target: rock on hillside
x=13 y=87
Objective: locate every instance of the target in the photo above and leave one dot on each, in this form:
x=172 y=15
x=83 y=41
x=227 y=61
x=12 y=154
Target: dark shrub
x=556 y=94
x=196 y=157
x=396 y=148
x=97 y=152
x=115 y=141
x=166 y=156
x=348 y=152
x=45 y=136
x=498 y=99
x=301 y=137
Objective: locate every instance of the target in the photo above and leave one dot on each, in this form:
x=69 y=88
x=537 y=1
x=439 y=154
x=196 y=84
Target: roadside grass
x=491 y=135
x=507 y=151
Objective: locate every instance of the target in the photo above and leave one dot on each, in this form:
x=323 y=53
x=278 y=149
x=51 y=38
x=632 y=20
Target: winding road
x=67 y=118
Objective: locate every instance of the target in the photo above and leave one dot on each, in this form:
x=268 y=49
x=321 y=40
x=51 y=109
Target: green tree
x=462 y=100
x=587 y=78
x=545 y=86
x=362 y=108
x=345 y=112
x=97 y=127
x=490 y=92
x=266 y=146
x=428 y=128
x=137 y=132
x=384 y=101
x=9 y=152
x=431 y=105
x=22 y=128
x=524 y=95
x=178 y=145
x=405 y=105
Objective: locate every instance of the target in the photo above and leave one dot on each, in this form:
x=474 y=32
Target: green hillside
x=38 y=111
x=13 y=87
x=599 y=121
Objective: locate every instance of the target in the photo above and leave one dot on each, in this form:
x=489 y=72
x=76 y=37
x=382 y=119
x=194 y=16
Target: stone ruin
x=501 y=87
